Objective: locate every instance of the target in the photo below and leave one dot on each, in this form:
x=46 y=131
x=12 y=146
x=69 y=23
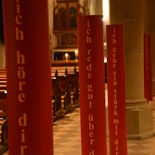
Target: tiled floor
x=67 y=138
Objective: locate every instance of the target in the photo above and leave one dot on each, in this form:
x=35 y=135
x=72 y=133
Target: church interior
x=138 y=19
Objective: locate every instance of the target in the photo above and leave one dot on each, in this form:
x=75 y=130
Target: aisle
x=67 y=139
x=67 y=136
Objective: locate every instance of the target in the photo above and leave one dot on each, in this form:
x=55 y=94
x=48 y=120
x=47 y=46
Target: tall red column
x=116 y=89
x=28 y=77
x=148 y=67
x=92 y=96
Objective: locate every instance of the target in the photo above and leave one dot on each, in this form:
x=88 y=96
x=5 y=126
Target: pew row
x=65 y=95
x=65 y=90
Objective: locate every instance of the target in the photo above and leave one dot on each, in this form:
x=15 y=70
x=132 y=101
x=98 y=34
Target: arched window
x=55 y=19
x=62 y=13
x=73 y=17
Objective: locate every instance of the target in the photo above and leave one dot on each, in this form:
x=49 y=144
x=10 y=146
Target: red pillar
x=28 y=77
x=148 y=68
x=116 y=89
x=92 y=96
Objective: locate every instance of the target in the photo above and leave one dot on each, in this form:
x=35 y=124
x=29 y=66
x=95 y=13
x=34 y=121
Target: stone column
x=139 y=113
x=95 y=7
x=150 y=28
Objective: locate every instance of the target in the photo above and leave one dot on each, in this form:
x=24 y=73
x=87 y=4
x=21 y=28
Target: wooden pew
x=3 y=109
x=56 y=99
x=67 y=85
x=3 y=94
x=64 y=90
x=65 y=94
x=73 y=85
x=4 y=134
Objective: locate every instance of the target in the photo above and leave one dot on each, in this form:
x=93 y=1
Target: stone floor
x=67 y=139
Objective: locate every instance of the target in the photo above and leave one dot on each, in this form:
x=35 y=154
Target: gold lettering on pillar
x=88 y=32
x=90 y=92
x=20 y=58
x=21 y=77
x=19 y=19
x=19 y=34
x=22 y=122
